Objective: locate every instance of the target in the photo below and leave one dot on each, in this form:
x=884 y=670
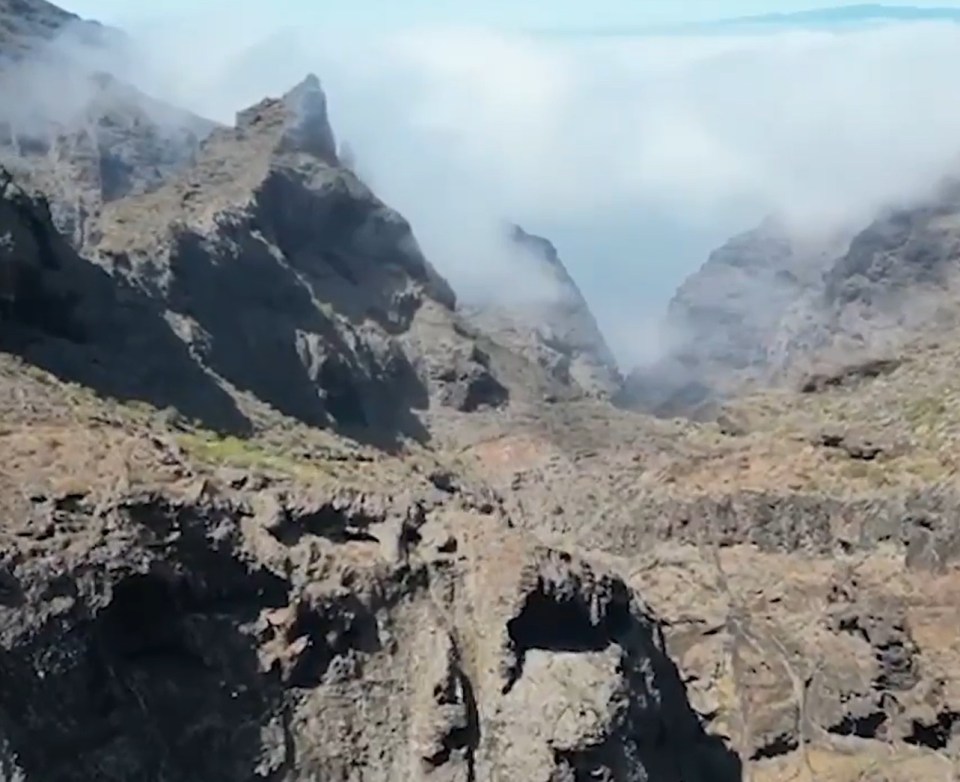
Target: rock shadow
x=357 y=255
x=68 y=316
x=661 y=732
x=266 y=333
x=152 y=675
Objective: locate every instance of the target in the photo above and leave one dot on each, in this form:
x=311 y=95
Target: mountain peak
x=541 y=247
x=310 y=83
x=554 y=327
x=301 y=118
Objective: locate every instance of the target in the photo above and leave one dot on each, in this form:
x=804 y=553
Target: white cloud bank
x=635 y=155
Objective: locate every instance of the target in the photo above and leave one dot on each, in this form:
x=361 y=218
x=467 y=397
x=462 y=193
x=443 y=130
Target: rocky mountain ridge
x=267 y=267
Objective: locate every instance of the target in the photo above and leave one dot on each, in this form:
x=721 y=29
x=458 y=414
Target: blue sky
x=564 y=14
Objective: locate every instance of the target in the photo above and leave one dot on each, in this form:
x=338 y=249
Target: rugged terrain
x=276 y=507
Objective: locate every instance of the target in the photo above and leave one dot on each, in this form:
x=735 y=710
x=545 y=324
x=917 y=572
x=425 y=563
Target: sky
x=636 y=156
x=563 y=14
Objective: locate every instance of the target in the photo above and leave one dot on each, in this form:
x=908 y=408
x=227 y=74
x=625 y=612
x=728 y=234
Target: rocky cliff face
x=217 y=629
x=723 y=323
x=897 y=282
x=92 y=140
x=280 y=270
x=554 y=327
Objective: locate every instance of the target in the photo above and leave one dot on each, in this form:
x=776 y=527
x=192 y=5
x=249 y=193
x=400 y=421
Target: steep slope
x=767 y=309
x=26 y=26
x=724 y=321
x=63 y=312
x=74 y=132
x=898 y=281
x=84 y=139
x=286 y=275
x=265 y=268
x=553 y=326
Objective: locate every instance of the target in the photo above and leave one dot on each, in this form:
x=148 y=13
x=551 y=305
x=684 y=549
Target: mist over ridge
x=636 y=155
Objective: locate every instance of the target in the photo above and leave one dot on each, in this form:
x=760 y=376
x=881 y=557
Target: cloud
x=635 y=155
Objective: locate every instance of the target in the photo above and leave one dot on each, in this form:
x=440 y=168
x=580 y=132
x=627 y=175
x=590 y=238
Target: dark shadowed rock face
x=553 y=326
x=68 y=315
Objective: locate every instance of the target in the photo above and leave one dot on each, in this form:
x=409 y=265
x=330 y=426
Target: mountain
x=898 y=281
x=278 y=506
x=276 y=270
x=839 y=16
x=769 y=308
x=722 y=324
x=240 y=607
x=26 y=26
x=849 y=14
x=555 y=327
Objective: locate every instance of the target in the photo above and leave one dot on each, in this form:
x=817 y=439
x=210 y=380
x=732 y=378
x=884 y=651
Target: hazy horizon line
x=850 y=14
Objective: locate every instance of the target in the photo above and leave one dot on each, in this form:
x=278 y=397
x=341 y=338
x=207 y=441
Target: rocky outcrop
x=553 y=325
x=282 y=271
x=217 y=629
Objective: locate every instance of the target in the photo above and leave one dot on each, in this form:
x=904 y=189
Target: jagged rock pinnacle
x=544 y=248
x=309 y=131
x=301 y=118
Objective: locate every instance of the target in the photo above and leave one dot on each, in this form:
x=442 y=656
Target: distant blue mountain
x=843 y=16
x=848 y=14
